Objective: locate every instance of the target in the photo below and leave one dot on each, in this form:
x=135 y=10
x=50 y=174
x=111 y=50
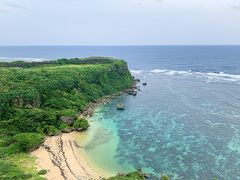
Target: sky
x=119 y=22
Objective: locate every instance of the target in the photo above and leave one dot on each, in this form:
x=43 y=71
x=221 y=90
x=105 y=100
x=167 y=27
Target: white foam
x=158 y=70
x=209 y=77
x=222 y=76
x=9 y=59
x=136 y=72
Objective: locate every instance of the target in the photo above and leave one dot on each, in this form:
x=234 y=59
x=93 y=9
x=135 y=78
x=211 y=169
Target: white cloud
x=119 y=22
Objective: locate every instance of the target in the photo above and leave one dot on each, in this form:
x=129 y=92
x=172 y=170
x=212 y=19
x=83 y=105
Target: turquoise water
x=100 y=146
x=183 y=123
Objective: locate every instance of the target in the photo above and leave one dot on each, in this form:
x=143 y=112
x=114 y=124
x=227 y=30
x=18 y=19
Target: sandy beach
x=61 y=156
x=58 y=155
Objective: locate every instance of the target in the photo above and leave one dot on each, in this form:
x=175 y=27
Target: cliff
x=45 y=97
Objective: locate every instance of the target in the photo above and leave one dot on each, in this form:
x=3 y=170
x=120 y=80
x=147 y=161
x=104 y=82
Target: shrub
x=28 y=141
x=138 y=175
x=63 y=125
x=52 y=131
x=67 y=112
x=42 y=172
x=65 y=128
x=164 y=177
x=11 y=171
x=81 y=124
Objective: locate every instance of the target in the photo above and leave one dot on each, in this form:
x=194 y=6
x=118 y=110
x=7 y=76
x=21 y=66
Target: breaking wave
x=215 y=76
x=136 y=72
x=10 y=59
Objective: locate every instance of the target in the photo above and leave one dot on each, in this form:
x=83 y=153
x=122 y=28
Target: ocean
x=184 y=123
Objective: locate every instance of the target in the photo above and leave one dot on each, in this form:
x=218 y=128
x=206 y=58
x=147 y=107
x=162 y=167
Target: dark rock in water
x=144 y=84
x=120 y=106
x=137 y=80
x=146 y=175
x=130 y=92
x=67 y=119
x=134 y=93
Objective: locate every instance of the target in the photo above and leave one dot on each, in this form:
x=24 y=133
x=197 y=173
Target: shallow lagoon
x=185 y=124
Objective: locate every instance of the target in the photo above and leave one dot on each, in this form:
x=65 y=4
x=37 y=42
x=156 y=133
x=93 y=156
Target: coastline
x=60 y=155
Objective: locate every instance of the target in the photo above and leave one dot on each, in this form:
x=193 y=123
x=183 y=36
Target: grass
x=19 y=166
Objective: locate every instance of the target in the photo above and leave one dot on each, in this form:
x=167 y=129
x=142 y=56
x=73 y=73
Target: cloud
x=11 y=4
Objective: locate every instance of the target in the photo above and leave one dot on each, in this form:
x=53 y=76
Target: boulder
x=67 y=130
x=67 y=119
x=134 y=93
x=130 y=92
x=79 y=129
x=137 y=80
x=53 y=132
x=144 y=84
x=120 y=106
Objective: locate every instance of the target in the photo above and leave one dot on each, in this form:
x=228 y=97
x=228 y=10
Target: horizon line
x=11 y=45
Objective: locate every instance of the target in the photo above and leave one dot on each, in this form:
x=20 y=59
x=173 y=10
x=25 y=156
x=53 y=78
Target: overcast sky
x=119 y=22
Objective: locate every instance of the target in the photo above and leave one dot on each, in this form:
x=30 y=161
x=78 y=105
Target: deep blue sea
x=184 y=123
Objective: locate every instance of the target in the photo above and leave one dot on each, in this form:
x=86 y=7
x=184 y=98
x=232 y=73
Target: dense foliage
x=138 y=175
x=91 y=60
x=18 y=167
x=35 y=96
x=80 y=124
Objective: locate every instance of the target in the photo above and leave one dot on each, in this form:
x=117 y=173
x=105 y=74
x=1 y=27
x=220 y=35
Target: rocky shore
x=90 y=108
x=59 y=154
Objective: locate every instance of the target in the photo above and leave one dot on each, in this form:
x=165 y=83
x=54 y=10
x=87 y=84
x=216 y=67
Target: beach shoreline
x=60 y=154
x=60 y=157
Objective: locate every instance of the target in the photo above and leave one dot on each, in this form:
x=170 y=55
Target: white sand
x=60 y=157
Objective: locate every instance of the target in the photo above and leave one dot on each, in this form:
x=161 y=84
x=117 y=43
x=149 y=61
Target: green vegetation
x=81 y=124
x=42 y=98
x=164 y=177
x=42 y=172
x=90 y=60
x=27 y=141
x=138 y=175
x=18 y=166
